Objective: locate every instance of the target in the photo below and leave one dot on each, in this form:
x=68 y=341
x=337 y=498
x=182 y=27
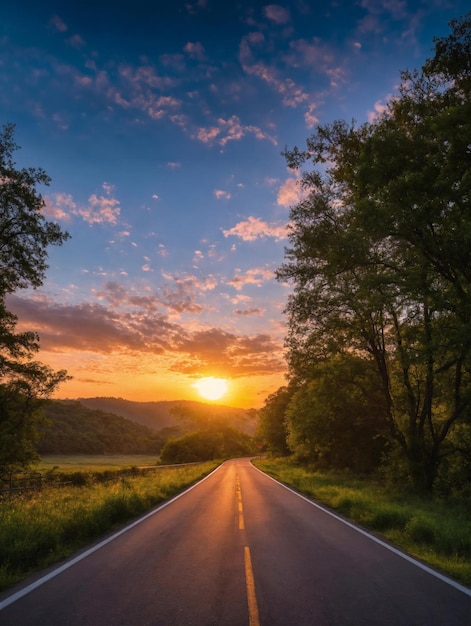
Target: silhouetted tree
x=380 y=252
x=25 y=235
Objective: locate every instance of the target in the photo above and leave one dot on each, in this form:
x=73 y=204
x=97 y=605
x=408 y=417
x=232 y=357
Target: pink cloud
x=292 y=95
x=277 y=14
x=255 y=228
x=100 y=209
x=230 y=130
x=195 y=51
x=255 y=276
x=222 y=195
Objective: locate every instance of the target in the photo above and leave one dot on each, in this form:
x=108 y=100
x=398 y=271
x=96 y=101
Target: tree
x=380 y=252
x=272 y=428
x=213 y=442
x=338 y=418
x=24 y=237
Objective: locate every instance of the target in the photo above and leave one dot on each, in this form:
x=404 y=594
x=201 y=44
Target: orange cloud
x=91 y=330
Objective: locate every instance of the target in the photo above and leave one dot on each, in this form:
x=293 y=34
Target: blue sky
x=161 y=125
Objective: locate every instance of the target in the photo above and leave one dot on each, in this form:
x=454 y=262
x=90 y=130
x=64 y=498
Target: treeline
x=218 y=441
x=379 y=348
x=75 y=429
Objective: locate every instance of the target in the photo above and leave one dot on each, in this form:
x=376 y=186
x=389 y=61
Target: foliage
x=435 y=531
x=380 y=254
x=25 y=235
x=218 y=442
x=272 y=428
x=75 y=429
x=184 y=414
x=39 y=531
x=338 y=419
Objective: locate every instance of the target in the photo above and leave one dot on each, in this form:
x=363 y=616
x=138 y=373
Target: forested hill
x=77 y=429
x=185 y=414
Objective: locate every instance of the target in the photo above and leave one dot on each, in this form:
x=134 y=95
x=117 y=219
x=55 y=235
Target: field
x=434 y=531
x=40 y=528
x=93 y=463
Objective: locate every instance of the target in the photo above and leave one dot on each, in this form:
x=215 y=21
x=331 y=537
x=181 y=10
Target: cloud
x=255 y=276
x=86 y=327
x=60 y=206
x=230 y=130
x=180 y=294
x=100 y=209
x=162 y=250
x=318 y=57
x=195 y=7
x=292 y=95
x=76 y=41
x=230 y=354
x=255 y=228
x=249 y=312
x=136 y=335
x=222 y=195
x=310 y=118
x=290 y=192
x=58 y=24
x=277 y=14
x=195 y=51
x=380 y=107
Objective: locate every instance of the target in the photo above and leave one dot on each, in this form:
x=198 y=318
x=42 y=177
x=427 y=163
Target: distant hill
x=164 y=414
x=77 y=429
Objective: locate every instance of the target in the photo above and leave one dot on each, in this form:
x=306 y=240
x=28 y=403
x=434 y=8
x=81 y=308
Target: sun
x=211 y=388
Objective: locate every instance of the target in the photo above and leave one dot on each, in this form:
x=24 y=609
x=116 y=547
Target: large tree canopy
x=25 y=235
x=380 y=252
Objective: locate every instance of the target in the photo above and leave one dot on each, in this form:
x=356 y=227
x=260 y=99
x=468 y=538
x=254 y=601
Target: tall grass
x=37 y=530
x=436 y=532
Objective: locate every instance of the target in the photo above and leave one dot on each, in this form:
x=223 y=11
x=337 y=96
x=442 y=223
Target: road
x=239 y=549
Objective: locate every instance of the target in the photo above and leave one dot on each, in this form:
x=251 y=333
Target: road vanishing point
x=239 y=549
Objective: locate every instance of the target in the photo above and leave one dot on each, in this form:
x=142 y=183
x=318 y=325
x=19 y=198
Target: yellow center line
x=239 y=500
x=254 y=619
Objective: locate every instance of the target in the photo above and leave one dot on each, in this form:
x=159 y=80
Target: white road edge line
x=389 y=547
x=44 y=579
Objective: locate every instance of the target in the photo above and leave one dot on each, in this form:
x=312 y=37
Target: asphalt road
x=239 y=549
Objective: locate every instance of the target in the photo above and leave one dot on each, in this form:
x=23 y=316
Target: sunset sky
x=161 y=125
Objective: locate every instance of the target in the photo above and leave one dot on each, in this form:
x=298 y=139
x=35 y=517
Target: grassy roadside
x=435 y=532
x=40 y=529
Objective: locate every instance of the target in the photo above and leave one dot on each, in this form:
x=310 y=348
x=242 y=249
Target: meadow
x=40 y=528
x=67 y=463
x=434 y=531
